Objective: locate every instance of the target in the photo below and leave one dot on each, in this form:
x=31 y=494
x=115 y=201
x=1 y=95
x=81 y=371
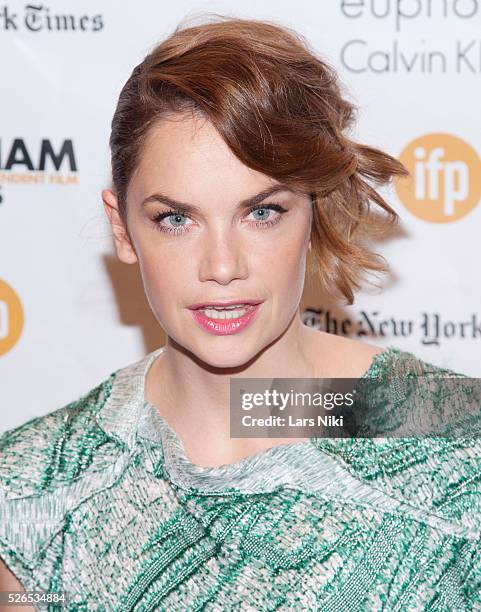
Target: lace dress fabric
x=99 y=500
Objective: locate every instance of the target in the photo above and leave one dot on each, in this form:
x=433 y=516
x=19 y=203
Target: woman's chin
x=227 y=355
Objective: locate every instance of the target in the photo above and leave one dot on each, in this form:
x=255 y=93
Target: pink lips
x=221 y=327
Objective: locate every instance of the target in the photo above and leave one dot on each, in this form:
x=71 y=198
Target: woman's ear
x=123 y=245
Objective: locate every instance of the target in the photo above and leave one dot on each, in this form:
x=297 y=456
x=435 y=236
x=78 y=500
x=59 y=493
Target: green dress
x=98 y=500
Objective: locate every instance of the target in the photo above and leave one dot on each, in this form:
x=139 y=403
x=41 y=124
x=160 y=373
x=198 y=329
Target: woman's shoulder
x=351 y=358
x=409 y=395
x=48 y=466
x=43 y=452
x=339 y=356
x=393 y=361
x=426 y=453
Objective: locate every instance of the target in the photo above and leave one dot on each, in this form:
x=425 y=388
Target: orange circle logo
x=445 y=181
x=11 y=317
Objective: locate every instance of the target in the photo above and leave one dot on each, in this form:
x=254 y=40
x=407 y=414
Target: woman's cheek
x=290 y=261
x=160 y=282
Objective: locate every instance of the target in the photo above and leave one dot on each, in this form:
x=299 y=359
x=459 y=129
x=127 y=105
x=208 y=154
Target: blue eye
x=269 y=215
x=176 y=223
x=265 y=213
x=177 y=217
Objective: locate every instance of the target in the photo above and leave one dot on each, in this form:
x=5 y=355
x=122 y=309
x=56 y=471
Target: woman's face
x=213 y=247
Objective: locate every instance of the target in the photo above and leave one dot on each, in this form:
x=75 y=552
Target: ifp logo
x=445 y=181
x=11 y=317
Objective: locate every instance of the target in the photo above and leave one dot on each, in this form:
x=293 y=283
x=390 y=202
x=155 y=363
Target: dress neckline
x=258 y=472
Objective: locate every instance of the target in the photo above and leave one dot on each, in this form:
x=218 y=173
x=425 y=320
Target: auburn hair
x=281 y=110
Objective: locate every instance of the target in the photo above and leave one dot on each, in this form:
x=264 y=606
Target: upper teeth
x=225 y=307
x=227 y=312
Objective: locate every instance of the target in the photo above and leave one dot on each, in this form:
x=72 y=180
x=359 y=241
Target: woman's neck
x=195 y=400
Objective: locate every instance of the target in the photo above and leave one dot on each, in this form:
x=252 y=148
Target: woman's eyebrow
x=190 y=208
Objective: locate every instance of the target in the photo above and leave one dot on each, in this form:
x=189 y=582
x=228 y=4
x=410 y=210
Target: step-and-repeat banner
x=71 y=313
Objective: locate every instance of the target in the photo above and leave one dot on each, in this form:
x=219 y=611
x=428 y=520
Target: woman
x=231 y=171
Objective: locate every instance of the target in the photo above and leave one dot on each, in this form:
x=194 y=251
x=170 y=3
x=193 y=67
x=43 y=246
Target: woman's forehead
x=187 y=159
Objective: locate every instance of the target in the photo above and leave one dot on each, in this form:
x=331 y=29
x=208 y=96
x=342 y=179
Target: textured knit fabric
x=98 y=499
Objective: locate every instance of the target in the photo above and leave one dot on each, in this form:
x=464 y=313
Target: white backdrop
x=70 y=313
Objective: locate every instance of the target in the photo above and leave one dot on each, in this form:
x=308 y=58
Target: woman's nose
x=222 y=259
